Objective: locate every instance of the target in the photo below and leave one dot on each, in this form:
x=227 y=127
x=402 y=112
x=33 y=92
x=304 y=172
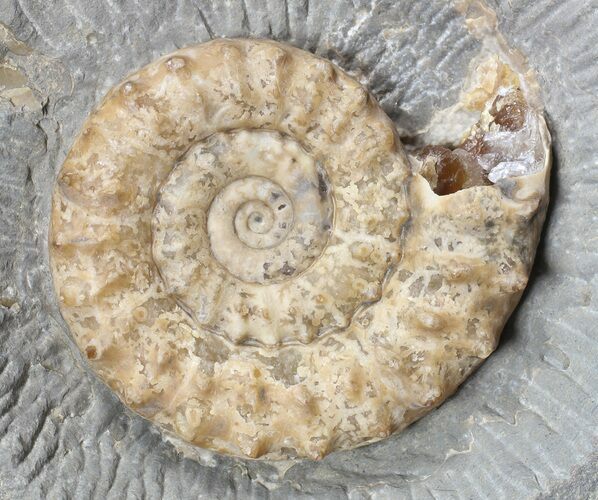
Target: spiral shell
x=230 y=248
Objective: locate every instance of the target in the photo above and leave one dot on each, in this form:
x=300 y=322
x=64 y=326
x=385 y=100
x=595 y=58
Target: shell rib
x=242 y=251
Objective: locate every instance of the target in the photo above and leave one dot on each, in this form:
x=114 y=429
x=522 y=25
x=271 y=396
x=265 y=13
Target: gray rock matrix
x=523 y=426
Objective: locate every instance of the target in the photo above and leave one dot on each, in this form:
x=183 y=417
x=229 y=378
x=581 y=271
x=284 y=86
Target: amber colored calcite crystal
x=507 y=137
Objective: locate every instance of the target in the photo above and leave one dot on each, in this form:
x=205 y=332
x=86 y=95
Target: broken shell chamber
x=239 y=242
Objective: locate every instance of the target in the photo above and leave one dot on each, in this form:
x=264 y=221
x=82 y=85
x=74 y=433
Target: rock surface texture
x=522 y=426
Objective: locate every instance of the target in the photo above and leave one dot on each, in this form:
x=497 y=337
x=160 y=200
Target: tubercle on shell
x=412 y=297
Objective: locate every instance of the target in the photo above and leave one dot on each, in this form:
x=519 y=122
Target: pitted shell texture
x=242 y=251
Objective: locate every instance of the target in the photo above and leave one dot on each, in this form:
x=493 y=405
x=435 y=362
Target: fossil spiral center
x=240 y=219
x=257 y=224
x=261 y=211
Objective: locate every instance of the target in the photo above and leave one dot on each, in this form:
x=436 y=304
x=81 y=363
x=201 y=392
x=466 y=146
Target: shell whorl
x=227 y=246
x=246 y=216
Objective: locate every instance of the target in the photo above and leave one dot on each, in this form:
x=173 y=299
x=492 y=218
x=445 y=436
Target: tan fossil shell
x=242 y=250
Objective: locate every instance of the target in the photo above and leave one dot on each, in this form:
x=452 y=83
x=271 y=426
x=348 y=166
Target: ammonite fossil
x=248 y=257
